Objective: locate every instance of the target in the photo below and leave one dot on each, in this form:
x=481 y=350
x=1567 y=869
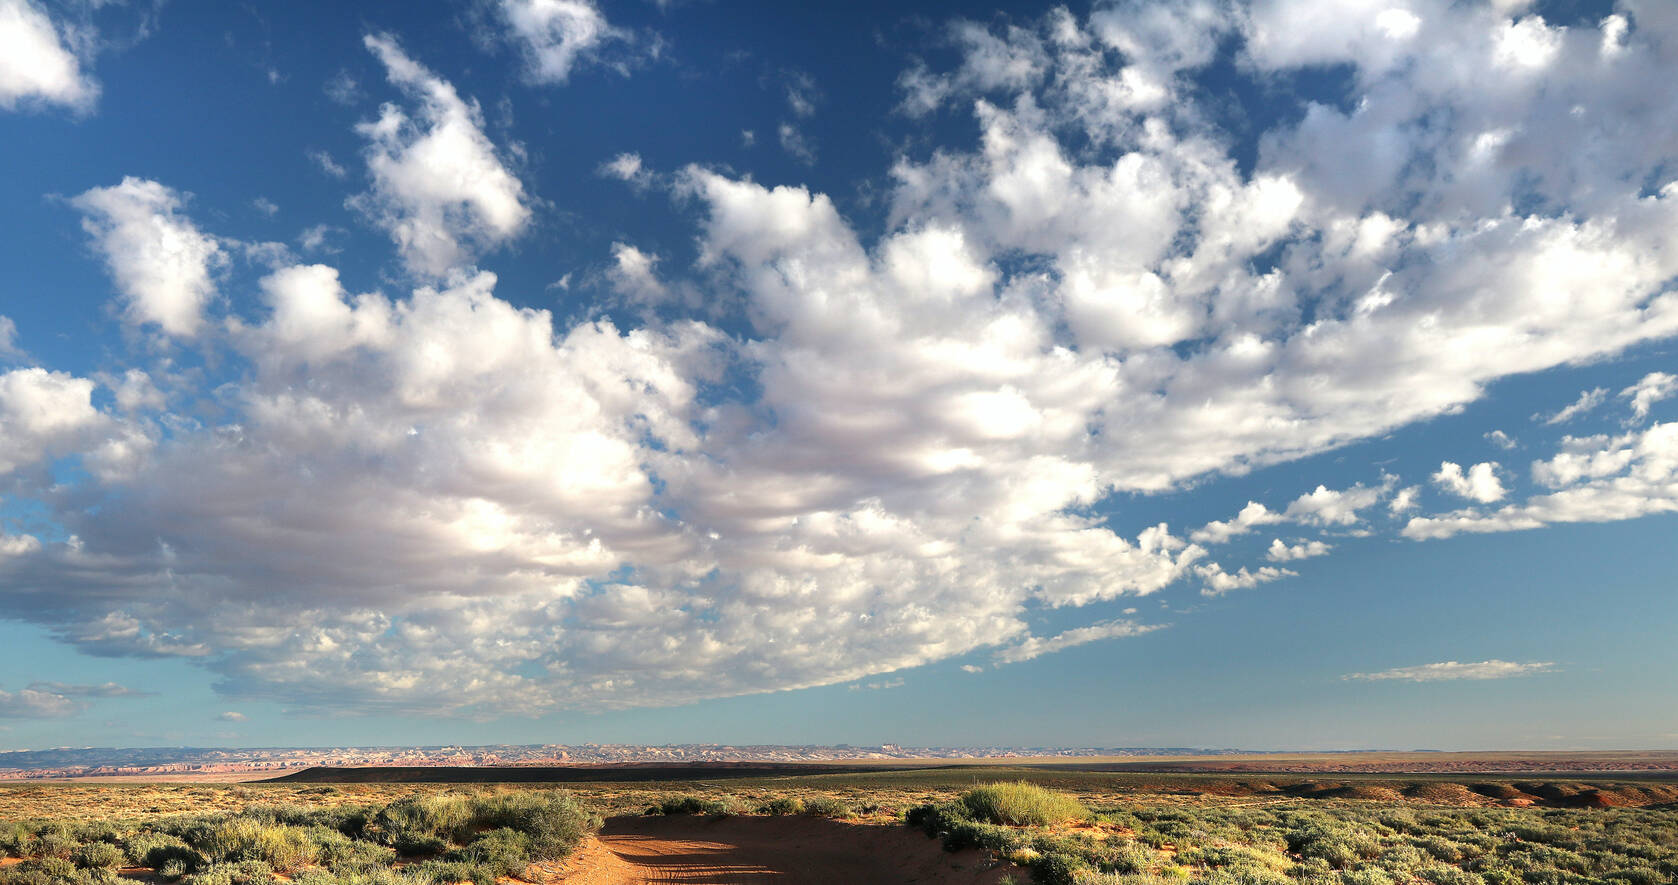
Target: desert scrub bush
x=1022 y=805
x=503 y=852
x=1057 y=869
x=827 y=806
x=553 y=823
x=341 y=854
x=691 y=805
x=239 y=839
x=781 y=805
x=421 y=824
x=17 y=839
x=98 y=856
x=149 y=848
x=45 y=871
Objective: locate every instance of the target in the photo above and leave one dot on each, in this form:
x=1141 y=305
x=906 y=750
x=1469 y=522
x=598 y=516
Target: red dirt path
x=764 y=850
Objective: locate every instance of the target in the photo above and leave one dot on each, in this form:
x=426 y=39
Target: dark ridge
x=533 y=774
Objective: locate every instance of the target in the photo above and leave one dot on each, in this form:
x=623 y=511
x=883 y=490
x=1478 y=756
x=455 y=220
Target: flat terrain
x=710 y=824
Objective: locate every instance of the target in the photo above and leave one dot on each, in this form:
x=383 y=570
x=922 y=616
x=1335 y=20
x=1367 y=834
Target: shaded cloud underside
x=465 y=505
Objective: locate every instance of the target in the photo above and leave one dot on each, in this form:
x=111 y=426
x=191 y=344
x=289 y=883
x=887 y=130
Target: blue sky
x=1283 y=374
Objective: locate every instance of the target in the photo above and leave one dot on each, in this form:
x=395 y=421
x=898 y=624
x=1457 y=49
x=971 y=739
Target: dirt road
x=763 y=850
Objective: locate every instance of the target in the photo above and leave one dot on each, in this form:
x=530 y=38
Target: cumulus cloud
x=231 y=716
x=161 y=262
x=910 y=440
x=1479 y=483
x=1037 y=646
x=1404 y=500
x=1280 y=552
x=556 y=36
x=1597 y=479
x=627 y=167
x=1251 y=517
x=1445 y=671
x=632 y=275
x=44 y=414
x=1500 y=439
x=36 y=65
x=439 y=186
x=1218 y=581
x=1651 y=389
x=1324 y=506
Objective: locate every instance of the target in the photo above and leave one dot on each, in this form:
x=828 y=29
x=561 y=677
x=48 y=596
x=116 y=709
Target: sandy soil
x=683 y=848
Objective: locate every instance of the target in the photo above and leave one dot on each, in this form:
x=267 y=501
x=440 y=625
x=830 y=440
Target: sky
x=1284 y=374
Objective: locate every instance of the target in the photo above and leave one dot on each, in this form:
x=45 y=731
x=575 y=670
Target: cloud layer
x=432 y=499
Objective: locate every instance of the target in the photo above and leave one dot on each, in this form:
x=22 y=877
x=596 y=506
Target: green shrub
x=98 y=855
x=693 y=805
x=1056 y=869
x=149 y=848
x=1022 y=804
x=552 y=822
x=781 y=805
x=827 y=806
x=241 y=839
x=503 y=852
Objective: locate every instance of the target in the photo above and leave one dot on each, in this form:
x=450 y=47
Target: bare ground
x=753 y=850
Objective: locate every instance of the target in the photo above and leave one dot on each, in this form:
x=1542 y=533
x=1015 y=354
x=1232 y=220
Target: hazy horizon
x=1224 y=373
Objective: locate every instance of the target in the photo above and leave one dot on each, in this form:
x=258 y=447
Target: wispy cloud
x=1446 y=671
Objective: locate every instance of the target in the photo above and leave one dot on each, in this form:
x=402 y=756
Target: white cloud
x=327 y=164
x=1305 y=549
x=231 y=716
x=1404 y=500
x=796 y=143
x=1650 y=389
x=632 y=275
x=1500 y=439
x=627 y=167
x=343 y=89
x=438 y=186
x=1036 y=646
x=1480 y=483
x=265 y=206
x=55 y=700
x=1218 y=581
x=43 y=414
x=35 y=64
x=161 y=262
x=802 y=94
x=1588 y=401
x=317 y=238
x=894 y=457
x=1451 y=670
x=1598 y=479
x=1251 y=517
x=558 y=35
x=8 y=339
x=1333 y=507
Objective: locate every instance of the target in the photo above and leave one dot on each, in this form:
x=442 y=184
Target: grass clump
x=1020 y=804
